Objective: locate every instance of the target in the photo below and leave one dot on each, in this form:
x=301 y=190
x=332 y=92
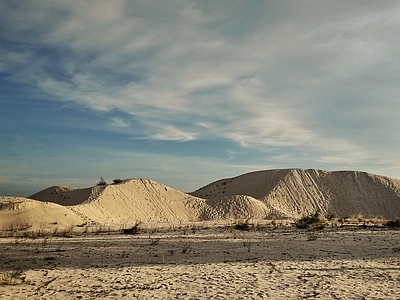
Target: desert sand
x=216 y=263
x=85 y=243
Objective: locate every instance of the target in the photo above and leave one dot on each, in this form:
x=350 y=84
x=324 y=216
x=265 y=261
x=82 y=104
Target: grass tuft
x=133 y=230
x=13 y=277
x=242 y=224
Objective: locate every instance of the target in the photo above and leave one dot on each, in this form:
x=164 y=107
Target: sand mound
x=297 y=192
x=291 y=193
x=141 y=200
x=144 y=200
x=18 y=212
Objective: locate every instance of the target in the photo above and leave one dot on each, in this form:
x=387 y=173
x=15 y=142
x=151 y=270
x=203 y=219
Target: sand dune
x=289 y=193
x=18 y=212
x=140 y=200
x=274 y=262
x=297 y=192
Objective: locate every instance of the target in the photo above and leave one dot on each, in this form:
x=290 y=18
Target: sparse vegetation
x=393 y=223
x=186 y=247
x=311 y=236
x=102 y=181
x=306 y=221
x=132 y=230
x=247 y=244
x=242 y=224
x=360 y=217
x=117 y=180
x=13 y=277
x=154 y=241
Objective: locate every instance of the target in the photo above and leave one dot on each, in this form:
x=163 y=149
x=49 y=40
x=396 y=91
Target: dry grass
x=314 y=222
x=242 y=224
x=13 y=277
x=186 y=247
x=132 y=230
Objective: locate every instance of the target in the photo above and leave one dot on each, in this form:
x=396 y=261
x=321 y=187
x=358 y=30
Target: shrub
x=306 y=221
x=102 y=181
x=393 y=223
x=242 y=224
x=186 y=247
x=12 y=277
x=117 y=180
x=360 y=218
x=273 y=220
x=133 y=230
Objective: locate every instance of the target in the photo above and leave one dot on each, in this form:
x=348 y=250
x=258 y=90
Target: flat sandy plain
x=280 y=262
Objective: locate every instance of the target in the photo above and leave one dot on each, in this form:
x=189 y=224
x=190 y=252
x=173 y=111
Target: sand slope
x=235 y=206
x=297 y=192
x=18 y=212
x=140 y=200
x=65 y=195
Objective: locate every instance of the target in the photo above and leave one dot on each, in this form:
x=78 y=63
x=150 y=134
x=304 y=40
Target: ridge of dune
x=298 y=192
x=20 y=212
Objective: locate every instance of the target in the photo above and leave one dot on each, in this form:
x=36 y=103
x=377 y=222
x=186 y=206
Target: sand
x=294 y=193
x=289 y=193
x=214 y=263
x=67 y=243
x=18 y=213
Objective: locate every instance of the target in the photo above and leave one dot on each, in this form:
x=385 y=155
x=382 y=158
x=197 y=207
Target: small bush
x=393 y=223
x=242 y=224
x=186 y=247
x=12 y=277
x=317 y=220
x=306 y=221
x=117 y=180
x=360 y=218
x=273 y=220
x=102 y=181
x=154 y=241
x=133 y=230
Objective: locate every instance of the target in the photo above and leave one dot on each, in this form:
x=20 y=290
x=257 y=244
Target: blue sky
x=188 y=92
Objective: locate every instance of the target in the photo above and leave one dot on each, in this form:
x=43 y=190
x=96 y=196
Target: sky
x=188 y=92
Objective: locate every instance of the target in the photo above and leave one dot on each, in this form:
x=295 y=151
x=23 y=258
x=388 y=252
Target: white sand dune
x=140 y=200
x=289 y=193
x=297 y=192
x=18 y=212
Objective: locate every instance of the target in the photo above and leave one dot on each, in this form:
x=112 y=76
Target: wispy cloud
x=170 y=133
x=305 y=76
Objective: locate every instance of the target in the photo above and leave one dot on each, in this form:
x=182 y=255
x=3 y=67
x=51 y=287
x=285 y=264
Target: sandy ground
x=215 y=263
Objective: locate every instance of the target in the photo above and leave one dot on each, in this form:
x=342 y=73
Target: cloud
x=170 y=133
x=308 y=77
